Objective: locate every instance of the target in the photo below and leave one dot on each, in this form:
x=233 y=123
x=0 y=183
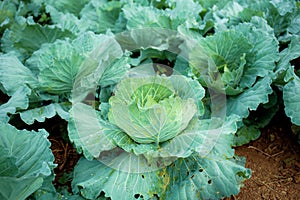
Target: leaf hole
x=137 y=196
x=201 y=170
x=209 y=181
x=143 y=176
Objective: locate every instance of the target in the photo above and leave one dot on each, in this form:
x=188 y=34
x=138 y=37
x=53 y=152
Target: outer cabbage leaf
x=8 y=163
x=250 y=128
x=150 y=38
x=87 y=131
x=115 y=72
x=287 y=55
x=25 y=37
x=7 y=12
x=42 y=113
x=262 y=57
x=46 y=191
x=19 y=100
x=284 y=6
x=67 y=21
x=291 y=98
x=103 y=15
x=293 y=28
x=13 y=74
x=200 y=136
x=246 y=134
x=279 y=17
x=205 y=178
x=127 y=176
x=31 y=155
x=68 y=6
x=59 y=64
x=144 y=16
x=250 y=99
x=211 y=175
x=109 y=68
x=184 y=9
x=229 y=13
x=226 y=14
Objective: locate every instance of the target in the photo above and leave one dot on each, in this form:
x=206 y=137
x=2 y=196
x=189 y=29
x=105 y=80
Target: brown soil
x=66 y=158
x=275 y=162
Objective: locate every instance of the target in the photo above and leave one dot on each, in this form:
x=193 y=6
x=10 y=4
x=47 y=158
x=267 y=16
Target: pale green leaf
x=102 y=53
x=59 y=65
x=127 y=176
x=149 y=38
x=102 y=15
x=18 y=188
x=19 y=100
x=246 y=134
x=13 y=74
x=33 y=159
x=293 y=27
x=224 y=15
x=26 y=38
x=291 y=97
x=115 y=72
x=67 y=6
x=262 y=57
x=67 y=21
x=7 y=12
x=284 y=6
x=141 y=16
x=287 y=55
x=124 y=176
x=250 y=98
x=249 y=129
x=200 y=136
x=40 y=114
x=87 y=131
x=153 y=107
x=8 y=165
x=227 y=49
x=205 y=178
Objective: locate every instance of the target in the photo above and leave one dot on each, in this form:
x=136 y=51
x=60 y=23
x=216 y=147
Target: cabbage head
x=150 y=110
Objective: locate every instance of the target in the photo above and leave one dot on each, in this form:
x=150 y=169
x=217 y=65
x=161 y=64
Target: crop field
x=149 y=99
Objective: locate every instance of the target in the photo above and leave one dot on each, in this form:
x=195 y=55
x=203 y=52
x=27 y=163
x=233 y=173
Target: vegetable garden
x=149 y=99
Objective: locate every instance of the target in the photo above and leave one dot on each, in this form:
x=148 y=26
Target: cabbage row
x=155 y=94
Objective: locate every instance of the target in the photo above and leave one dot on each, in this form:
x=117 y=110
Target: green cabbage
x=155 y=112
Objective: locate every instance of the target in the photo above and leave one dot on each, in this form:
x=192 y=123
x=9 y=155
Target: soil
x=274 y=159
x=275 y=162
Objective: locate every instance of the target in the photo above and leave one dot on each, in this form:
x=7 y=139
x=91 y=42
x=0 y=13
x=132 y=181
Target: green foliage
x=154 y=93
x=26 y=161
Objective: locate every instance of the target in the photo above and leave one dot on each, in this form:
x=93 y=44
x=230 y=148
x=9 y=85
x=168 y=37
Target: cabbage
x=155 y=112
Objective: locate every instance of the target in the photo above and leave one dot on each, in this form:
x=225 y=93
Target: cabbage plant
x=154 y=93
x=152 y=143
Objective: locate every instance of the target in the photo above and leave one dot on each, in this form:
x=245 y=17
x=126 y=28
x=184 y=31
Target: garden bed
x=177 y=99
x=274 y=159
x=275 y=162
